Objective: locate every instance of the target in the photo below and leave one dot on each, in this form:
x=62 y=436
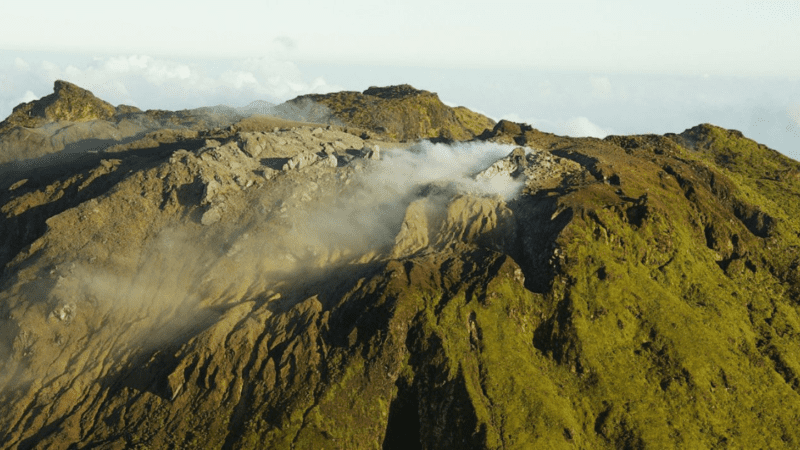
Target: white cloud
x=11 y=102
x=28 y=97
x=475 y=110
x=583 y=127
x=574 y=127
x=794 y=122
x=794 y=113
x=21 y=64
x=601 y=87
x=159 y=83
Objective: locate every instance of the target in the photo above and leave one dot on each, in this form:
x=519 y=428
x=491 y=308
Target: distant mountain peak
x=67 y=102
x=401 y=113
x=399 y=91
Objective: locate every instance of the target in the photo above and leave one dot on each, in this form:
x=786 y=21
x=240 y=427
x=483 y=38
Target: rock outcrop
x=401 y=113
x=68 y=102
x=72 y=120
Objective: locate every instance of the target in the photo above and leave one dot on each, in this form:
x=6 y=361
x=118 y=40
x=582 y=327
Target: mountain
x=401 y=113
x=256 y=107
x=72 y=120
x=278 y=284
x=67 y=102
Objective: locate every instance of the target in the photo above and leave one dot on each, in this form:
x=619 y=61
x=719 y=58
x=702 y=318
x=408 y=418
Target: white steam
x=361 y=220
x=455 y=165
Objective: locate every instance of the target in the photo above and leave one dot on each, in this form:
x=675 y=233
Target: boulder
x=373 y=153
x=512 y=165
x=304 y=159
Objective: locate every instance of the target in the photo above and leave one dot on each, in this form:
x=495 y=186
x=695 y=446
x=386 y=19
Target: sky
x=575 y=67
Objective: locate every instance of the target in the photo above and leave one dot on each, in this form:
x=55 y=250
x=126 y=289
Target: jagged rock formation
x=183 y=290
x=402 y=113
x=67 y=102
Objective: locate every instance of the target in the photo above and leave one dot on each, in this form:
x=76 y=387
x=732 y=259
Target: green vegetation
x=402 y=113
x=67 y=103
x=646 y=299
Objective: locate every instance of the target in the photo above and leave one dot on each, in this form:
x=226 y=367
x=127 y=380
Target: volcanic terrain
x=379 y=270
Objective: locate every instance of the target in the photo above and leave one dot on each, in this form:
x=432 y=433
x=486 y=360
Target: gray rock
x=211 y=191
x=304 y=159
x=251 y=145
x=331 y=160
x=212 y=216
x=512 y=165
x=373 y=153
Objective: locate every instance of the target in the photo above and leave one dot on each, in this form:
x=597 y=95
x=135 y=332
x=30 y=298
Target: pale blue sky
x=576 y=67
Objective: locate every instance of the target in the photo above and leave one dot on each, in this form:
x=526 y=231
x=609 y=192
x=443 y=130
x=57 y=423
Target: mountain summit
x=68 y=102
x=402 y=113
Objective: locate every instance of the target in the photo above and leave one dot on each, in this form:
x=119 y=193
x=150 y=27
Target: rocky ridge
x=68 y=102
x=73 y=120
x=229 y=288
x=401 y=113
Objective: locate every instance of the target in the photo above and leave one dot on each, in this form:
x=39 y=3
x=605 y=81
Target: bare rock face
x=510 y=166
x=463 y=221
x=539 y=169
x=373 y=153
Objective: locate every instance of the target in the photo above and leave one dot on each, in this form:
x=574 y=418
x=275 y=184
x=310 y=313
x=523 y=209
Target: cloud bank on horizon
x=155 y=82
x=566 y=103
x=158 y=83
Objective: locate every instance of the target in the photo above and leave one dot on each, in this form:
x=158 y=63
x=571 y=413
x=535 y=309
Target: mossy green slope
x=68 y=102
x=402 y=113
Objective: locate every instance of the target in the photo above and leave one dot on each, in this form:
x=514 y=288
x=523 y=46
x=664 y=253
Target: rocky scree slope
x=640 y=292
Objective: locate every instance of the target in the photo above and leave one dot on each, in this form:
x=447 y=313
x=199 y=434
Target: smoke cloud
x=454 y=165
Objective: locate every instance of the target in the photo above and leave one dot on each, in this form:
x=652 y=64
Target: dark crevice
x=403 y=427
x=538 y=224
